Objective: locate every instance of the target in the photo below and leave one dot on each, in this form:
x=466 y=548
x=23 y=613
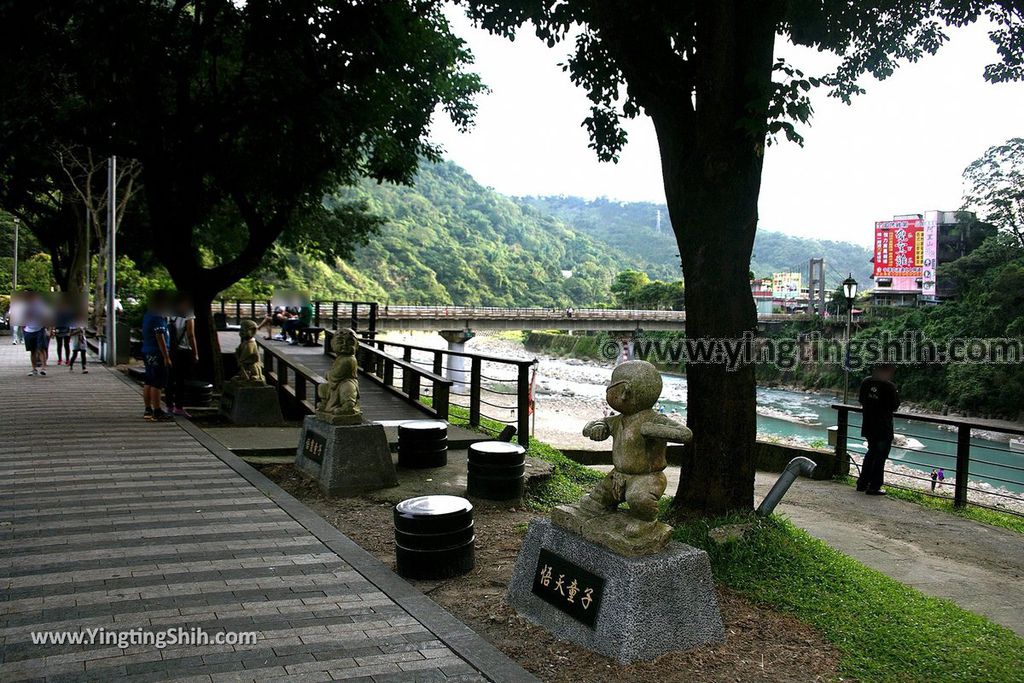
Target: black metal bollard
x=422 y=444
x=497 y=470
x=434 y=537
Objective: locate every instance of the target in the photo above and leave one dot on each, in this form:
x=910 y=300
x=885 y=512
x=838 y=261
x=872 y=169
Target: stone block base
x=251 y=405
x=648 y=605
x=346 y=460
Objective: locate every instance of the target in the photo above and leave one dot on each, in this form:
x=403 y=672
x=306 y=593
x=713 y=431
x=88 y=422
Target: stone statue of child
x=639 y=435
x=339 y=397
x=250 y=367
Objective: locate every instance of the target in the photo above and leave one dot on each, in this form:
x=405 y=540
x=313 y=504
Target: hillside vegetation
x=449 y=239
x=632 y=229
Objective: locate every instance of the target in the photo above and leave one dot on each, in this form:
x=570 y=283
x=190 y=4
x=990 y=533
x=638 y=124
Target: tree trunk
x=711 y=165
x=210 y=366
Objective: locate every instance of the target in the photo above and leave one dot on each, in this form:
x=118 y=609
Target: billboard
x=899 y=248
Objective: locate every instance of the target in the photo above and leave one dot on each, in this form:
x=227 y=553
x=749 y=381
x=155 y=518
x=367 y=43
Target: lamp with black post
x=850 y=292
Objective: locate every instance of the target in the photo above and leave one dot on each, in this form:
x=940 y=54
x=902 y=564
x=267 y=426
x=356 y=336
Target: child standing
x=77 y=347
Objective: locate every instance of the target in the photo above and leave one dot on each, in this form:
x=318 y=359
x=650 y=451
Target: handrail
x=383 y=364
x=446 y=352
x=379 y=367
x=974 y=423
x=963 y=445
x=276 y=367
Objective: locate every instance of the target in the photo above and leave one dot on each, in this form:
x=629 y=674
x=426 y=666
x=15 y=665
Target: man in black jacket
x=880 y=399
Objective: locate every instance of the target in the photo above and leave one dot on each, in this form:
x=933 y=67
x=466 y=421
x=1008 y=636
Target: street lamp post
x=14 y=279
x=111 y=358
x=850 y=292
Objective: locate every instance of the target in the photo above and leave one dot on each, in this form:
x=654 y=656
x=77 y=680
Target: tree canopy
x=707 y=75
x=243 y=116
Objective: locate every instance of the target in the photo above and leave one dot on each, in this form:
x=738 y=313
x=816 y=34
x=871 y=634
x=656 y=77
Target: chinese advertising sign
x=899 y=248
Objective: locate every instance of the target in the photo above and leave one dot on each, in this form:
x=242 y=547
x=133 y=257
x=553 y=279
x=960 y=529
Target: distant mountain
x=448 y=239
x=632 y=229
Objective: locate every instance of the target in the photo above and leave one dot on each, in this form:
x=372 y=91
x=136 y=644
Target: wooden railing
x=357 y=315
x=291 y=377
x=1008 y=473
x=482 y=394
x=405 y=379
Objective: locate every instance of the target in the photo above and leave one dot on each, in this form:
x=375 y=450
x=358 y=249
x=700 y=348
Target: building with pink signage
x=907 y=251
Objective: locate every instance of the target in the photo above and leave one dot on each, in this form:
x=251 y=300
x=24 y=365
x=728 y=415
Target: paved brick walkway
x=111 y=522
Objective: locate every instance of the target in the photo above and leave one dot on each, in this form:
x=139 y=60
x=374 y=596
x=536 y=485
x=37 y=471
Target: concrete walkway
x=977 y=566
x=111 y=522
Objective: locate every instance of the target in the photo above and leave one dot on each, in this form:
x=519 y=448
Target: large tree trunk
x=210 y=366
x=711 y=166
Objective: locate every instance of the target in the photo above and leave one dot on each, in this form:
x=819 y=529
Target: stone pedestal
x=250 y=405
x=645 y=606
x=346 y=460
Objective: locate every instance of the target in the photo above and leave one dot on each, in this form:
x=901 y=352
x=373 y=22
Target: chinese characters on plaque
x=568 y=587
x=314 y=446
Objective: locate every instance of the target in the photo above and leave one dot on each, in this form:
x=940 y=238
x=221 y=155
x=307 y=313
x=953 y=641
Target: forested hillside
x=448 y=239
x=632 y=229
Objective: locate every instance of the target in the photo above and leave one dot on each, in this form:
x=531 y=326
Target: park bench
x=309 y=336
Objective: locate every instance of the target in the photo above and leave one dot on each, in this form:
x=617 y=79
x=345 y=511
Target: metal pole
x=111 y=358
x=846 y=361
x=14 y=282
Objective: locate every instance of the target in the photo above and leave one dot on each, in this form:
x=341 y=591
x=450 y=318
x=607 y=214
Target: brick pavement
x=111 y=522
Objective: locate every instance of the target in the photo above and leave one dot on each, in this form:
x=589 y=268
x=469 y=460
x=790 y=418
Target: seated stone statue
x=639 y=435
x=339 y=397
x=250 y=367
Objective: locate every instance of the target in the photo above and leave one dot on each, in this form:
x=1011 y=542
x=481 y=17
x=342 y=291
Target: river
x=569 y=392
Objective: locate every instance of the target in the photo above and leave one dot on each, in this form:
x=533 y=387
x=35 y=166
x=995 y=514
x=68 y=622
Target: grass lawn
x=885 y=630
x=1006 y=520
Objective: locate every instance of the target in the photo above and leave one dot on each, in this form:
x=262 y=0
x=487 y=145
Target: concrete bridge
x=487 y=318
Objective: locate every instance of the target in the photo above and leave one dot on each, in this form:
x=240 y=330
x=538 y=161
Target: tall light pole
x=850 y=292
x=111 y=358
x=14 y=279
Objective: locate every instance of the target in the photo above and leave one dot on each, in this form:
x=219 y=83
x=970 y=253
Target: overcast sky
x=901 y=148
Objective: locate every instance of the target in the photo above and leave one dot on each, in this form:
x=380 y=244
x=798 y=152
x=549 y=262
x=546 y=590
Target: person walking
x=935 y=477
x=156 y=354
x=64 y=318
x=35 y=324
x=15 y=315
x=184 y=354
x=77 y=347
x=880 y=398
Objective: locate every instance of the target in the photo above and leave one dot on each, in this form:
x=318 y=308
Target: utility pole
x=111 y=358
x=14 y=281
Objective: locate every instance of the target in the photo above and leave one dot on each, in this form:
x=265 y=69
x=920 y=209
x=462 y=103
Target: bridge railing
x=402 y=377
x=986 y=473
x=526 y=313
x=357 y=315
x=492 y=391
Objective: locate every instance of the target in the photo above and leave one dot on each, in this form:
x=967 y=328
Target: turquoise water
x=806 y=416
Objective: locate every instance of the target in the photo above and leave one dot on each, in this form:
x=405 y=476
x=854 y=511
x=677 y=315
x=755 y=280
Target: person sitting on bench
x=278 y=317
x=303 y=320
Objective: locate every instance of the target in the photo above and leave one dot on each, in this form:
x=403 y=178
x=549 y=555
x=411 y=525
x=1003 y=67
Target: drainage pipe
x=796 y=466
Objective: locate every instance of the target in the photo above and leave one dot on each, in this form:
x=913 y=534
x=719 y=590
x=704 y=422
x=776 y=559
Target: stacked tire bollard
x=434 y=537
x=423 y=444
x=497 y=470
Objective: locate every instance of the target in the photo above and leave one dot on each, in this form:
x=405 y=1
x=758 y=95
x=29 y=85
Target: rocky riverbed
x=569 y=392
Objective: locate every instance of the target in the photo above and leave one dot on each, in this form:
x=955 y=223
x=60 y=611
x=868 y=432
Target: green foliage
x=243 y=115
x=886 y=631
x=447 y=239
x=996 y=187
x=631 y=230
